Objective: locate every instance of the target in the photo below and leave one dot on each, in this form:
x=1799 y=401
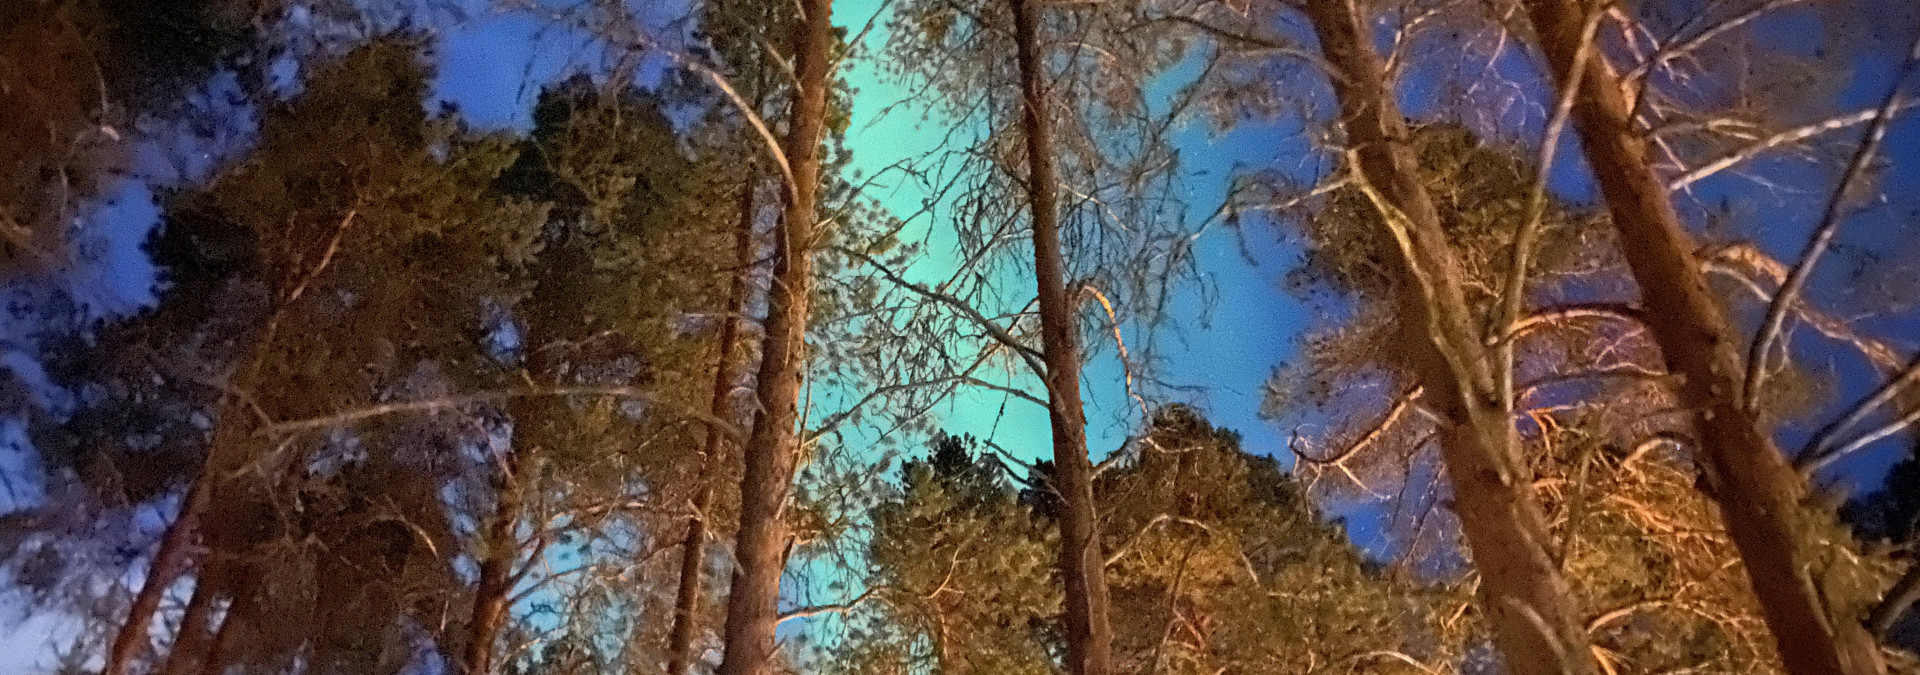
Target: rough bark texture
x=1759 y=493
x=1089 y=635
x=693 y=550
x=759 y=548
x=496 y=571
x=1533 y=614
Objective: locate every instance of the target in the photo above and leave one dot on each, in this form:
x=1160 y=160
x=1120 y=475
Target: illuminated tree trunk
x=1089 y=634
x=1759 y=493
x=1533 y=614
x=693 y=550
x=769 y=454
x=496 y=571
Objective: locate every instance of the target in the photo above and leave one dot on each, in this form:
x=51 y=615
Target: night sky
x=491 y=67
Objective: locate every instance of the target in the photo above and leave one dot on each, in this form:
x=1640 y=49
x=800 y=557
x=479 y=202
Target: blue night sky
x=492 y=66
x=1227 y=348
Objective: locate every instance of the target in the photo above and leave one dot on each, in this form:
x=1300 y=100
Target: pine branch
x=1760 y=353
x=460 y=400
x=1785 y=137
x=835 y=608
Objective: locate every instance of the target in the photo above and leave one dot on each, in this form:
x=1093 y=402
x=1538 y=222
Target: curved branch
x=1627 y=371
x=1556 y=314
x=1883 y=356
x=1399 y=409
x=1678 y=49
x=1513 y=297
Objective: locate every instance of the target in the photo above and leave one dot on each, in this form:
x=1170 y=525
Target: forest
x=954 y=337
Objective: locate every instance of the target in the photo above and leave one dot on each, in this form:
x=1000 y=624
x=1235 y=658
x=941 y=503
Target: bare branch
x=1883 y=356
x=1813 y=464
x=1789 y=136
x=460 y=400
x=1896 y=602
x=1822 y=441
x=1761 y=351
x=1513 y=297
x=836 y=608
x=1126 y=366
x=1678 y=49
x=994 y=330
x=326 y=258
x=1258 y=43
x=1553 y=315
x=1628 y=370
x=1399 y=409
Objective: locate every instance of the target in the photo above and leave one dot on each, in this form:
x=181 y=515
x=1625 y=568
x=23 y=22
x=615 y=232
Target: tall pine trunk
x=1534 y=617
x=1082 y=562
x=496 y=571
x=1760 y=495
x=769 y=454
x=693 y=551
x=168 y=562
x=196 y=627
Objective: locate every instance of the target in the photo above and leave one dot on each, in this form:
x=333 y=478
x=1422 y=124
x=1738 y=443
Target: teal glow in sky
x=1228 y=355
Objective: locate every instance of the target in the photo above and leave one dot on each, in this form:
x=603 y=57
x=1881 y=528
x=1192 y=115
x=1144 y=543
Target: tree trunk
x=1089 y=635
x=693 y=551
x=169 y=560
x=1759 y=493
x=241 y=610
x=759 y=548
x=1533 y=614
x=196 y=629
x=1897 y=601
x=496 y=571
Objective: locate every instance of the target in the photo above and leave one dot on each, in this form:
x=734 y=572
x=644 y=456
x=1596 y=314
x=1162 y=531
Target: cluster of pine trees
x=625 y=391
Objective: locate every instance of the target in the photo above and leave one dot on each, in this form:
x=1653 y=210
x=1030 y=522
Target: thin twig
x=836 y=608
x=1514 y=297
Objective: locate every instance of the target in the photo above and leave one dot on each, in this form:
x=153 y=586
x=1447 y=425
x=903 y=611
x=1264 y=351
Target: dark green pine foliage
x=628 y=284
x=1217 y=560
x=346 y=262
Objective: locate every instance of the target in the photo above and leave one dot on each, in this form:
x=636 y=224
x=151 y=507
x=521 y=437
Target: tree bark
x=1759 y=494
x=1534 y=616
x=1089 y=634
x=496 y=571
x=196 y=629
x=241 y=610
x=169 y=560
x=693 y=550
x=760 y=545
x=1898 y=600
